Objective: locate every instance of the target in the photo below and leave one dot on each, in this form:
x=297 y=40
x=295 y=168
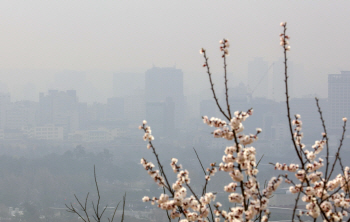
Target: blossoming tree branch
x=313 y=181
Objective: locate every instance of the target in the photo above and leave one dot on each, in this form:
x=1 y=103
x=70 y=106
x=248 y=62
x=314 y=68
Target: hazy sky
x=39 y=38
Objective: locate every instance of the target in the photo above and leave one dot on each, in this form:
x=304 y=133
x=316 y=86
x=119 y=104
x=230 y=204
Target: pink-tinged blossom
x=145 y=199
x=231 y=187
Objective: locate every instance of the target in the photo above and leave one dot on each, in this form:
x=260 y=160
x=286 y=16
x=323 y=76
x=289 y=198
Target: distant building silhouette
x=338 y=98
x=60 y=109
x=21 y=114
x=163 y=84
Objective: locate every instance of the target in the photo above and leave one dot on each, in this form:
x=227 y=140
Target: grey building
x=162 y=84
x=338 y=98
x=59 y=108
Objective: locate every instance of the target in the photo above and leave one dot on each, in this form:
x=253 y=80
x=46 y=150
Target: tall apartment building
x=338 y=98
x=21 y=114
x=166 y=84
x=129 y=97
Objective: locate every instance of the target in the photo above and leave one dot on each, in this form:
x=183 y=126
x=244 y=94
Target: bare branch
x=212 y=86
x=338 y=150
x=199 y=161
x=326 y=134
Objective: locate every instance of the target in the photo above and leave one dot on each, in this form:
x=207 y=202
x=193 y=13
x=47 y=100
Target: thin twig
x=296 y=205
x=259 y=161
x=212 y=86
x=326 y=134
x=287 y=95
x=115 y=210
x=124 y=197
x=226 y=88
x=199 y=161
x=338 y=151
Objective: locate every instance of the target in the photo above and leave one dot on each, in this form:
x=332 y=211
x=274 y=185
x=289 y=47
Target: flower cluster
x=239 y=161
x=325 y=196
x=284 y=38
x=224 y=45
x=211 y=171
x=228 y=131
x=148 y=132
x=148 y=166
x=322 y=194
x=179 y=203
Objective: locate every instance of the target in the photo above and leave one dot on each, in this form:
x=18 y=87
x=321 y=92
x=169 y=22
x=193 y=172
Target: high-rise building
x=163 y=84
x=21 y=114
x=338 y=98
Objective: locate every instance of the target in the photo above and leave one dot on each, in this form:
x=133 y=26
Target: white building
x=49 y=132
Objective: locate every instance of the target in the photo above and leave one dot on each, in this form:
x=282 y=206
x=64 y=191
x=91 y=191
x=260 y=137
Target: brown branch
x=97 y=216
x=287 y=95
x=338 y=151
x=124 y=197
x=199 y=161
x=160 y=165
x=226 y=88
x=115 y=210
x=228 y=118
x=212 y=86
x=325 y=131
x=296 y=205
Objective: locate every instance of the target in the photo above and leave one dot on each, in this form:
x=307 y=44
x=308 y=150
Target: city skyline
x=37 y=45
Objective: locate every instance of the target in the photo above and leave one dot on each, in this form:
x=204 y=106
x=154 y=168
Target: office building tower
x=166 y=83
